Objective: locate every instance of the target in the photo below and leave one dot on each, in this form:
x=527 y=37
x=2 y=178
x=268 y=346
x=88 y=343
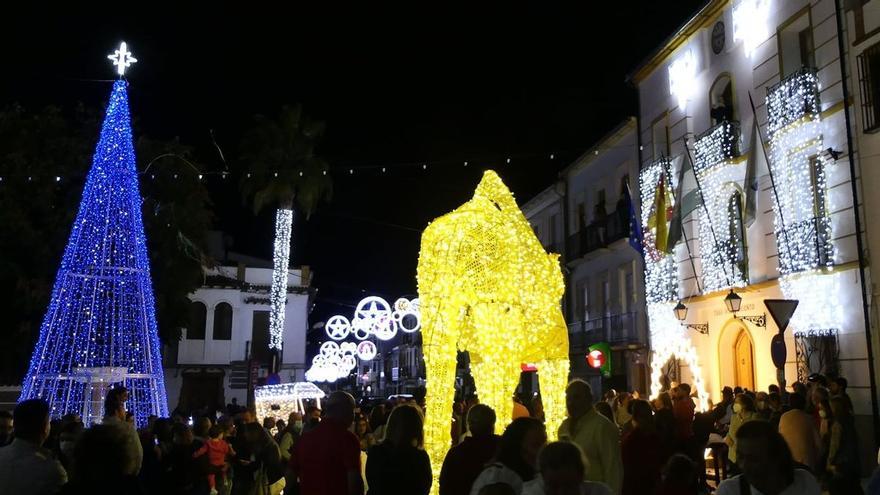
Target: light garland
x=661 y=275
x=669 y=341
x=122 y=59
x=374 y=316
x=750 y=24
x=280 y=262
x=283 y=399
x=488 y=287
x=683 y=78
x=714 y=152
x=101 y=314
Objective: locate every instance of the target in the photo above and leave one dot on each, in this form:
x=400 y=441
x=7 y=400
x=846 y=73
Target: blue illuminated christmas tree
x=100 y=328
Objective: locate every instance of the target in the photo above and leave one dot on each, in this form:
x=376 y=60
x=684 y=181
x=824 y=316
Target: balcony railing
x=599 y=234
x=792 y=99
x=805 y=245
x=615 y=329
x=716 y=145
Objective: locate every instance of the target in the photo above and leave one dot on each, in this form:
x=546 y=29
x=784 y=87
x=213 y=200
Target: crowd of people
x=801 y=442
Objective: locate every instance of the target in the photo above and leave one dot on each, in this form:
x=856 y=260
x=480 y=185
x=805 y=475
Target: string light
x=682 y=78
x=488 y=287
x=122 y=59
x=280 y=261
x=100 y=326
x=750 y=24
x=283 y=399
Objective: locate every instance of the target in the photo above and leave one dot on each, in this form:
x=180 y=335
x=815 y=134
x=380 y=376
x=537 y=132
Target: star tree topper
x=122 y=59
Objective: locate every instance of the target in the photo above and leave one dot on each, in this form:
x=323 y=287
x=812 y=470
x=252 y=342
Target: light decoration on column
x=279 y=401
x=750 y=24
x=804 y=245
x=682 y=78
x=719 y=176
x=668 y=339
x=100 y=326
x=280 y=262
x=488 y=287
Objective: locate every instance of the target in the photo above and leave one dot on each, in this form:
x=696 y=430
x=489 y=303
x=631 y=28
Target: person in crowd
x=594 y=434
x=201 y=429
x=773 y=389
x=233 y=408
x=327 y=459
x=767 y=465
x=605 y=410
x=800 y=389
x=537 y=408
x=641 y=452
x=5 y=428
x=723 y=411
x=826 y=421
x=164 y=434
x=290 y=435
x=843 y=452
x=679 y=477
x=25 y=466
x=664 y=424
x=683 y=409
x=269 y=424
x=562 y=471
x=264 y=462
x=774 y=407
x=762 y=407
x=362 y=430
x=516 y=460
x=463 y=462
x=311 y=419
x=519 y=409
x=217 y=450
x=377 y=422
x=837 y=388
x=183 y=476
x=70 y=433
x=399 y=465
x=102 y=463
x=280 y=426
x=114 y=416
x=800 y=433
x=622 y=414
x=743 y=412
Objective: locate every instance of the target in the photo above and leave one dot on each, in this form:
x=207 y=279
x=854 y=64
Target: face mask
x=823 y=414
x=298 y=425
x=737 y=407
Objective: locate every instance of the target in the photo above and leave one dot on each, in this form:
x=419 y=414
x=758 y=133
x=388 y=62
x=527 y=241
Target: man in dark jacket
x=465 y=461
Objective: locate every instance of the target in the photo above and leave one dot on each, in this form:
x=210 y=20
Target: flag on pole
x=684 y=203
x=661 y=215
x=751 y=185
x=635 y=225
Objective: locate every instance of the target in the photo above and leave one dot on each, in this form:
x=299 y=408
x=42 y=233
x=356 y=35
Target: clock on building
x=718 y=37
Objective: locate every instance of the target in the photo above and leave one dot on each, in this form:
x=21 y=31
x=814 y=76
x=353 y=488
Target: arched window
x=198 y=315
x=721 y=104
x=737 y=235
x=223 y=322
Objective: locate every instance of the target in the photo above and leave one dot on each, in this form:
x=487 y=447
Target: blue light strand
x=102 y=310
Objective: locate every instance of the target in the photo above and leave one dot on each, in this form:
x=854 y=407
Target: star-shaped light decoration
x=122 y=59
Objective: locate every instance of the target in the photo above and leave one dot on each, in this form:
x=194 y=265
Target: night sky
x=397 y=88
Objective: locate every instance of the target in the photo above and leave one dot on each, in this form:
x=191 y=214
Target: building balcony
x=599 y=234
x=792 y=99
x=805 y=246
x=716 y=146
x=619 y=330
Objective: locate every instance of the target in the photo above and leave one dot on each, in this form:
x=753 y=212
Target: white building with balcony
x=796 y=241
x=225 y=348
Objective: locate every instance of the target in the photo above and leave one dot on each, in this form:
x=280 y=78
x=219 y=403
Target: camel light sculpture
x=488 y=287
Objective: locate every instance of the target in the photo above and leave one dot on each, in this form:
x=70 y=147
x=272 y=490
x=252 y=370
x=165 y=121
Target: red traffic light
x=596 y=359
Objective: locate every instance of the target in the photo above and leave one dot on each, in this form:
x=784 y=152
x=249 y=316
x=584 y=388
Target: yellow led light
x=488 y=287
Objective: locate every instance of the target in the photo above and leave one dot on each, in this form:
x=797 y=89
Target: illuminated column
x=280 y=261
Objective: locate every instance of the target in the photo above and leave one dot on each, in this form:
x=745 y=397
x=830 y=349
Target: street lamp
x=733 y=302
x=681 y=312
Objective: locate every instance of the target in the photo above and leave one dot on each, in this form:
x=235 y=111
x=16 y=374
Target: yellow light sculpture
x=488 y=287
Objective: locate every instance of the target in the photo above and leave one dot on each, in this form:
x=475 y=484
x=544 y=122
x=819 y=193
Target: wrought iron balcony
x=805 y=245
x=599 y=234
x=620 y=329
x=716 y=145
x=792 y=99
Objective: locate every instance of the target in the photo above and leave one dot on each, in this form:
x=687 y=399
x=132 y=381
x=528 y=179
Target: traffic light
x=599 y=357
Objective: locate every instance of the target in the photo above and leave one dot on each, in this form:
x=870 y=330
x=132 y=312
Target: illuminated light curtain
x=280 y=264
x=100 y=326
x=488 y=287
x=668 y=338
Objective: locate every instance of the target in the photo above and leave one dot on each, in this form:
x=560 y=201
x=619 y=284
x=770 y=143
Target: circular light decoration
x=596 y=359
x=338 y=327
x=366 y=351
x=360 y=330
x=374 y=313
x=330 y=349
x=348 y=349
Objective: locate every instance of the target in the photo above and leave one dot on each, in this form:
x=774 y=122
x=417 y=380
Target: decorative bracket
x=759 y=321
x=703 y=328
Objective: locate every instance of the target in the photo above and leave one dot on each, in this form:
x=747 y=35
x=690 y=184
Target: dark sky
x=395 y=85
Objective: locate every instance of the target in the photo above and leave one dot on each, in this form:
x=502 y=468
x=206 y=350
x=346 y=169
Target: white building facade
x=225 y=349
x=771 y=222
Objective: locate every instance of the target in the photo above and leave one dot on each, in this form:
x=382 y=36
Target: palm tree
x=282 y=168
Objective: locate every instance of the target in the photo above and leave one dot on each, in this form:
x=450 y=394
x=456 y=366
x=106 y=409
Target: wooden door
x=744 y=365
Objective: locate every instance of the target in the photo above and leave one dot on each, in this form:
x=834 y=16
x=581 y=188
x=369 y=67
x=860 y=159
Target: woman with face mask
x=743 y=411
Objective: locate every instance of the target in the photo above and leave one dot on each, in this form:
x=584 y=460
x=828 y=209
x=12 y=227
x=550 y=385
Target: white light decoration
x=338 y=327
x=366 y=351
x=803 y=242
x=282 y=399
x=122 y=59
x=750 y=24
x=278 y=292
x=668 y=338
x=682 y=78
x=719 y=178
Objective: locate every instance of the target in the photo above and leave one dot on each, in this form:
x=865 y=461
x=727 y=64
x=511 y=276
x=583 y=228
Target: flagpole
x=705 y=208
x=691 y=257
x=772 y=180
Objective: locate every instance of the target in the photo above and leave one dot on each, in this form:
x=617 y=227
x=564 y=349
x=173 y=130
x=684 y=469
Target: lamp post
x=681 y=312
x=734 y=302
